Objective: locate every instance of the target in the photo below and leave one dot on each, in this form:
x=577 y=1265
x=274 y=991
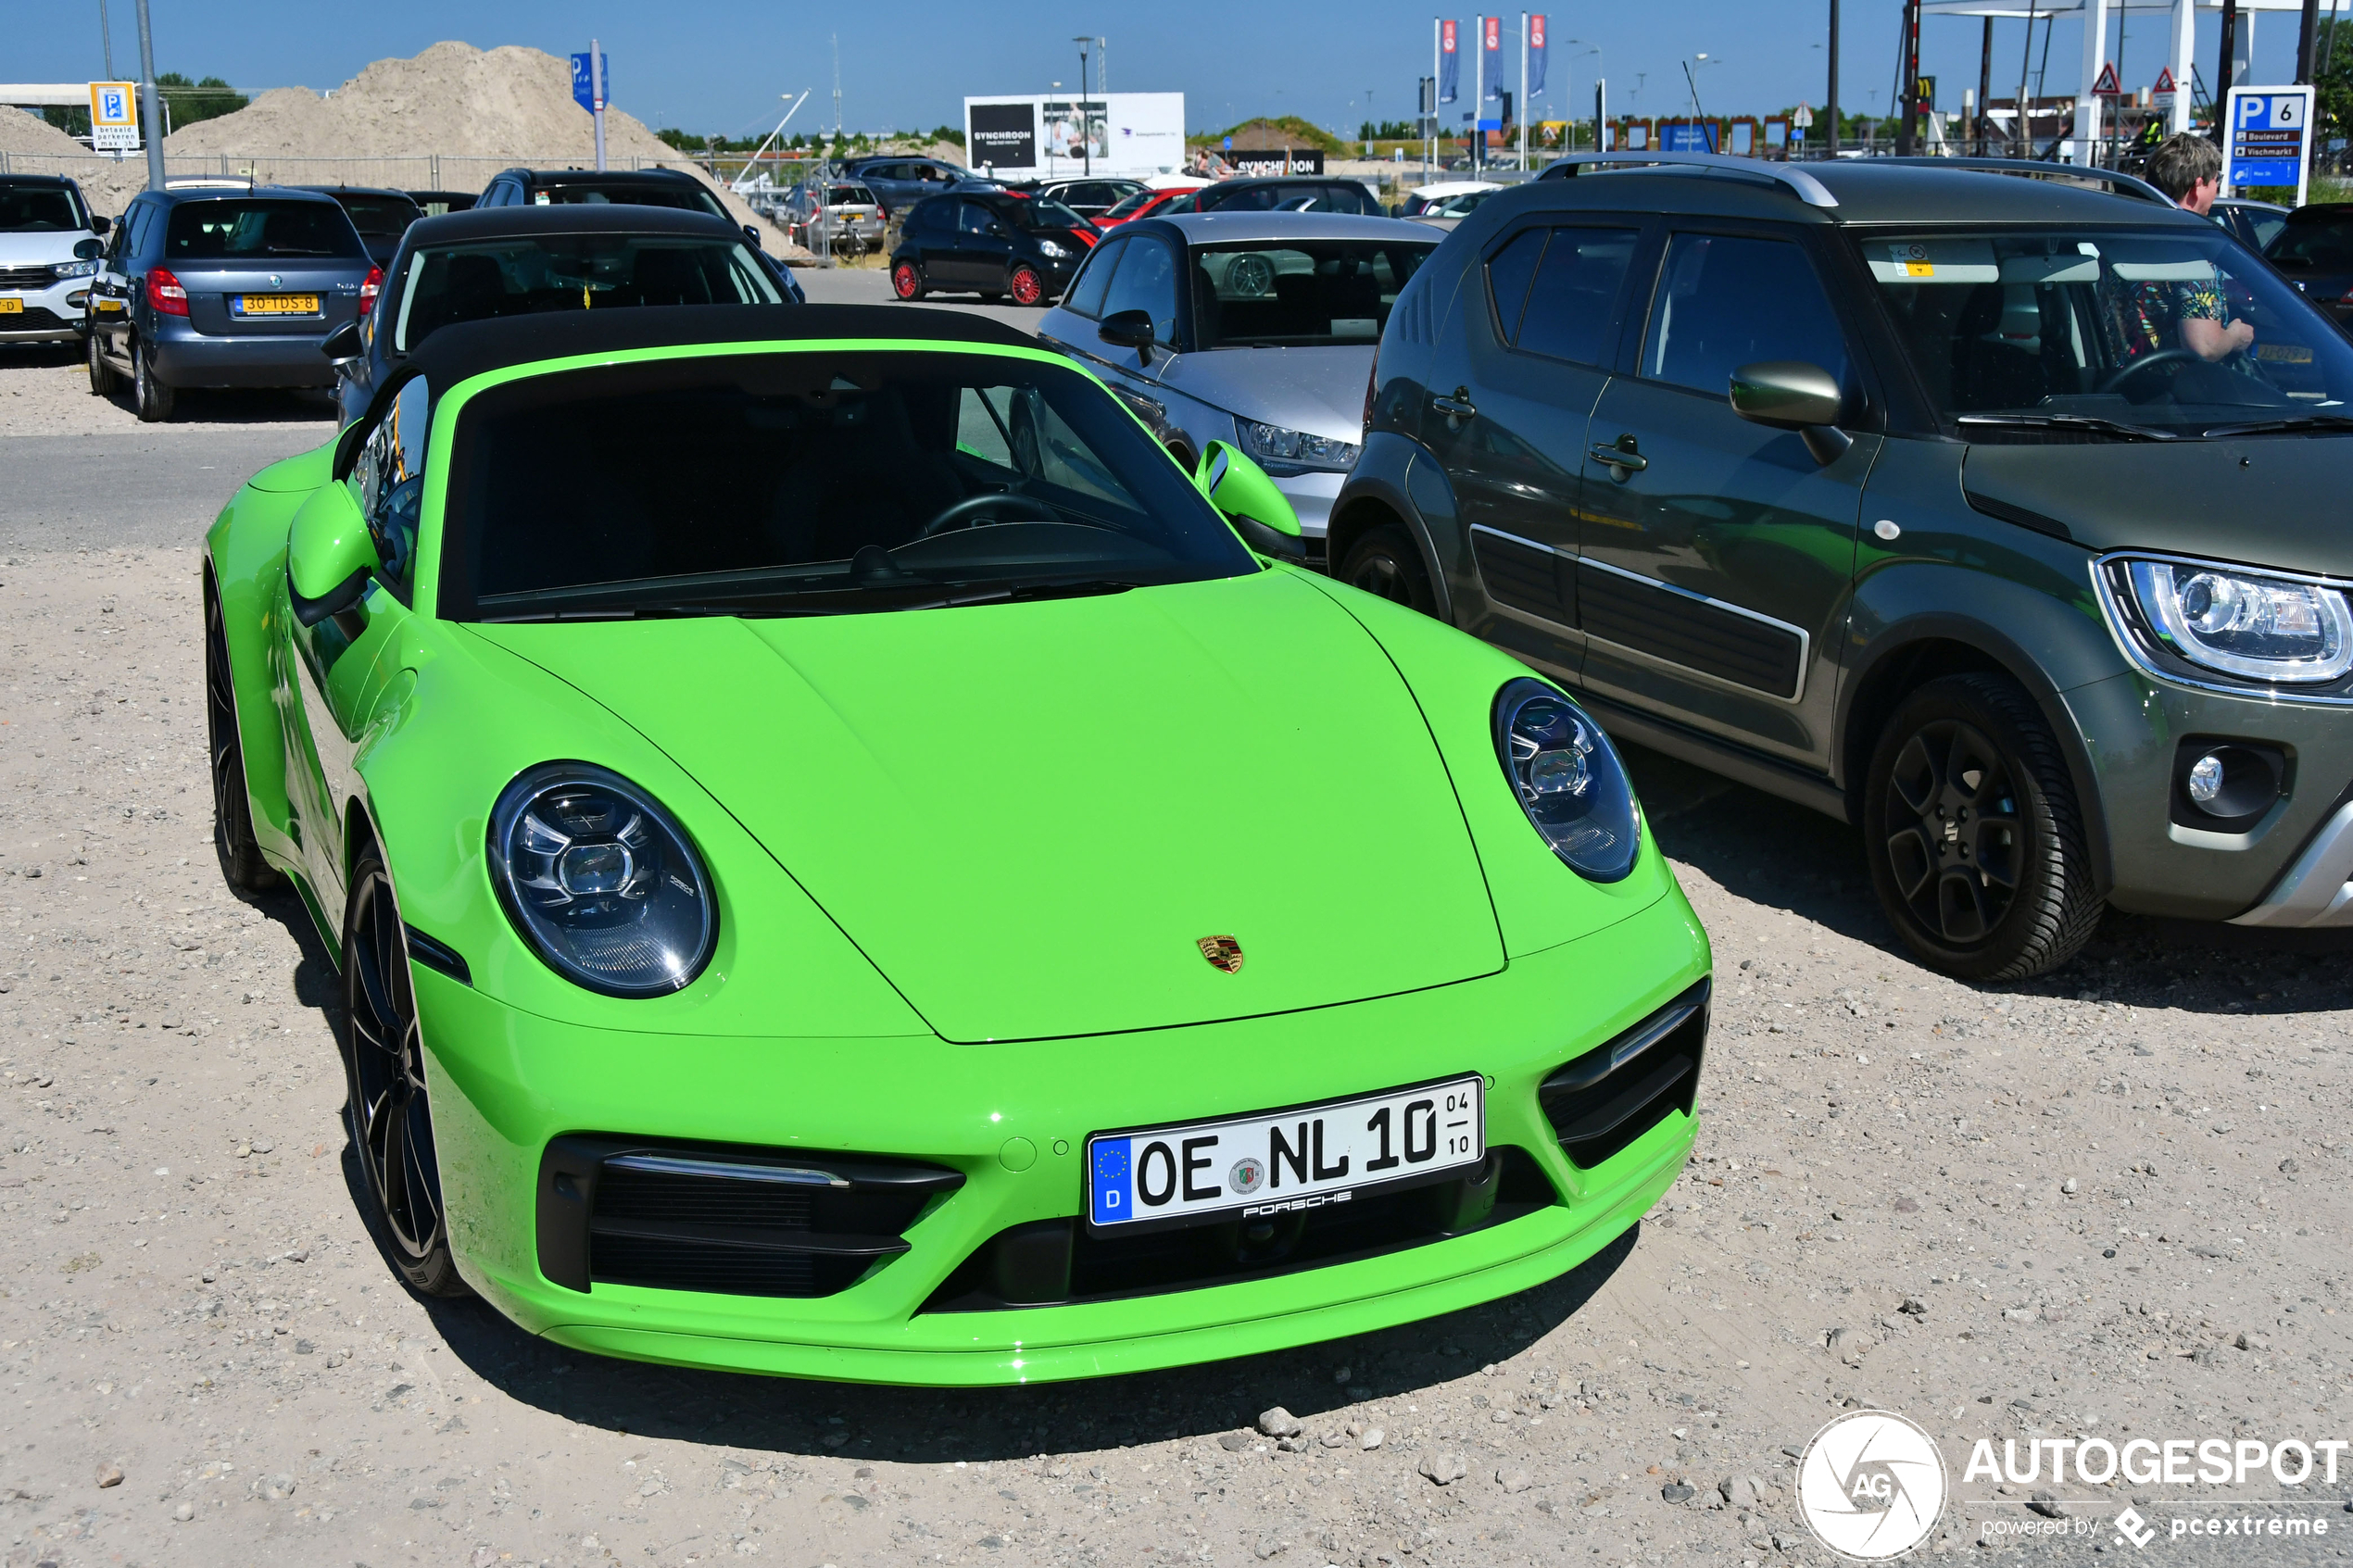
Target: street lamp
x=1086 y=141
x=1600 y=69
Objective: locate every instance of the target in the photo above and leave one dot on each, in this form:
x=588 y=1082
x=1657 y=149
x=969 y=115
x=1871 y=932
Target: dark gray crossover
x=1998 y=516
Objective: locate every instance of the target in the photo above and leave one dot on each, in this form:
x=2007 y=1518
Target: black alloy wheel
x=153 y=397
x=242 y=864
x=101 y=375
x=1976 y=843
x=1386 y=564
x=388 y=1111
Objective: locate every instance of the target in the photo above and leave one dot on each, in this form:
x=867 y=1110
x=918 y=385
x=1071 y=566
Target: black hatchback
x=2314 y=251
x=998 y=247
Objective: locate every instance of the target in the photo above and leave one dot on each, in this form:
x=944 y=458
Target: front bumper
x=183 y=357
x=1311 y=496
x=50 y=315
x=505 y=1083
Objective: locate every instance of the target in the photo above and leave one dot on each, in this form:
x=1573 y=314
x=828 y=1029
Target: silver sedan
x=1255 y=328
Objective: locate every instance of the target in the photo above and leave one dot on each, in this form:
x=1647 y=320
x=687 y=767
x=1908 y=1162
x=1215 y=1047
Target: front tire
x=153 y=397
x=1386 y=564
x=907 y=281
x=1026 y=285
x=386 y=1109
x=101 y=374
x=242 y=865
x=1975 y=840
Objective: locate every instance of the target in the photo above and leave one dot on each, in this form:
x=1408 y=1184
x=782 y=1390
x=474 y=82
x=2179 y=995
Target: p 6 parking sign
x=2270 y=142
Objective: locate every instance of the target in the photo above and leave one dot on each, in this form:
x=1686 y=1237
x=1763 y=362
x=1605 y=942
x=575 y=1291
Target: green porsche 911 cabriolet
x=847 y=861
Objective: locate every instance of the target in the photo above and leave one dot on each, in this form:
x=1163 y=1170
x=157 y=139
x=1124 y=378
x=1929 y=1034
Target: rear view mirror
x=1794 y=395
x=1129 y=329
x=343 y=344
x=1261 y=513
x=328 y=555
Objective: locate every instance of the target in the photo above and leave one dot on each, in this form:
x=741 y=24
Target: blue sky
x=718 y=65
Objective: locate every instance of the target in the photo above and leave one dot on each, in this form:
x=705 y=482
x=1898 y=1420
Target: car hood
x=16 y=250
x=1320 y=391
x=1029 y=816
x=2267 y=500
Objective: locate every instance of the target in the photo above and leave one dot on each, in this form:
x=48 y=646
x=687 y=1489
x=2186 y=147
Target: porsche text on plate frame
x=669 y=861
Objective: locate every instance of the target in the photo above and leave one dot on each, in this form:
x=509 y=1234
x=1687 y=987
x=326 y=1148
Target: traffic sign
x=114 y=116
x=1803 y=118
x=584 y=84
x=2104 y=85
x=2270 y=142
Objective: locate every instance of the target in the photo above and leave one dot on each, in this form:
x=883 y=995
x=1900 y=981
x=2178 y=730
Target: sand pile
x=22 y=132
x=503 y=107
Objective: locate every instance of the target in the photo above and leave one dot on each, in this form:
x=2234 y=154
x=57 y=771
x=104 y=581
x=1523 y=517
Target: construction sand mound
x=22 y=132
x=479 y=109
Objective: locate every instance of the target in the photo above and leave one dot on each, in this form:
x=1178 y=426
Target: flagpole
x=1523 y=93
x=1437 y=69
x=1479 y=94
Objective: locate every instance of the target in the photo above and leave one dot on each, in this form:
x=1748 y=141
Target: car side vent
x=1604 y=1101
x=738 y=1220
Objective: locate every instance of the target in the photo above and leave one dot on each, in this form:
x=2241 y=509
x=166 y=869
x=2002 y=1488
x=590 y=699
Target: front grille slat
x=732 y=1221
x=25 y=278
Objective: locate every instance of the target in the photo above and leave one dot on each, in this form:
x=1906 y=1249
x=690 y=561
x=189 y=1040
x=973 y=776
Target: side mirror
x=1794 y=395
x=1260 y=513
x=100 y=225
x=328 y=555
x=88 y=250
x=1129 y=329
x=343 y=345
x=751 y=232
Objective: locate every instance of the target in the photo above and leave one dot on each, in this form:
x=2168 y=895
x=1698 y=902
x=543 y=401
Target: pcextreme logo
x=1871 y=1485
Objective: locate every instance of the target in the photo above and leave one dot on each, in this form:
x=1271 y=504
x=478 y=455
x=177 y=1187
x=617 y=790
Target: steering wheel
x=972 y=507
x=2164 y=355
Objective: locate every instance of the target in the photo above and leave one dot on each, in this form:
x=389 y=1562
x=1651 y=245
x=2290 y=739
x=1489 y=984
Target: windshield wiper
x=2089 y=424
x=2288 y=422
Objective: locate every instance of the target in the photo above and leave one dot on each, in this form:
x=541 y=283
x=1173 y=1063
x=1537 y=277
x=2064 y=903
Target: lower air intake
x=1615 y=1093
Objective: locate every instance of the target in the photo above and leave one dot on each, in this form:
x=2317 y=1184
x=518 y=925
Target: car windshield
x=39 y=209
x=1300 y=294
x=385 y=216
x=233 y=229
x=2314 y=241
x=671 y=196
x=2109 y=333
x=820 y=481
x=523 y=277
x=1134 y=204
x=1039 y=215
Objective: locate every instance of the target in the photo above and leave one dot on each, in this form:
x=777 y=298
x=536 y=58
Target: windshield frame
x=443 y=590
x=1930 y=415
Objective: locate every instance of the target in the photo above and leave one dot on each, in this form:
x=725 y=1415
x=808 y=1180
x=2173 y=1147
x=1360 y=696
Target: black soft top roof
x=470 y=348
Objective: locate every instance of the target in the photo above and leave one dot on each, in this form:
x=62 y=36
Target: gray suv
x=1994 y=515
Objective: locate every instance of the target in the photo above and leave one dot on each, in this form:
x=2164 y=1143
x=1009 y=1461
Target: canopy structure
x=2181 y=35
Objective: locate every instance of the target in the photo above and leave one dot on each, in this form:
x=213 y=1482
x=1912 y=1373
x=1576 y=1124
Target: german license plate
x=274 y=304
x=11 y=307
x=1284 y=1161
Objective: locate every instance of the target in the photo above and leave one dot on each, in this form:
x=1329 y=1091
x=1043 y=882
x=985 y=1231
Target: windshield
x=387 y=216
x=40 y=209
x=2170 y=332
x=1300 y=294
x=670 y=197
x=1135 y=204
x=521 y=277
x=822 y=482
x=1038 y=214
x=2315 y=240
x=231 y=230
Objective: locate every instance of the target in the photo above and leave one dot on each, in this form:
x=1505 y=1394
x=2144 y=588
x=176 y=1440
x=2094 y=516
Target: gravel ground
x=1907 y=1196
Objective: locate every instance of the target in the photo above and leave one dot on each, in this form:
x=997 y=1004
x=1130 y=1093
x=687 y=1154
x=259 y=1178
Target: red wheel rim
x=902 y=279
x=1026 y=288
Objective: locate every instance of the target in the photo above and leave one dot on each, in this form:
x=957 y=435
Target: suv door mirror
x=328 y=555
x=341 y=344
x=1262 y=514
x=1129 y=329
x=87 y=250
x=100 y=225
x=1792 y=394
x=751 y=232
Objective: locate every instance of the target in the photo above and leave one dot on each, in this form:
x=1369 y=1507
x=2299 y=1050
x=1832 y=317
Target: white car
x=1446 y=203
x=49 y=247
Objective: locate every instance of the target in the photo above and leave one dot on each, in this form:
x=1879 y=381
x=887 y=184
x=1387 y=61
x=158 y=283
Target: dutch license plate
x=274 y=304
x=1284 y=1161
x=11 y=307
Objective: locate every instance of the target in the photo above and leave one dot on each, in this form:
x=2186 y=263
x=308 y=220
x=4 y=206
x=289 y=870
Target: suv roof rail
x=1807 y=189
x=2042 y=168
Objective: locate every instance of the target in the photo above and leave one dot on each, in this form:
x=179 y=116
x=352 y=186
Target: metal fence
x=428 y=171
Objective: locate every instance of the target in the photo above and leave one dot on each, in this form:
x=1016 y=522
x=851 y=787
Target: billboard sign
x=1055 y=135
x=1277 y=160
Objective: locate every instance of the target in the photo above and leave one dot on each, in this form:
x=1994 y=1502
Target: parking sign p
x=2252 y=109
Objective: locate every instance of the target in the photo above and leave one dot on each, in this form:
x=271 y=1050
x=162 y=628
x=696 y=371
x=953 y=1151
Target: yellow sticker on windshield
x=1920 y=268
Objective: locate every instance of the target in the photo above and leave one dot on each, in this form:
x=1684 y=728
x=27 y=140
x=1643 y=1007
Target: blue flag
x=1536 y=53
x=1491 y=71
x=1449 y=70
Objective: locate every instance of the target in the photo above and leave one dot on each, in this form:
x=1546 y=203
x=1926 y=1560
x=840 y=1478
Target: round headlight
x=601 y=883
x=1568 y=779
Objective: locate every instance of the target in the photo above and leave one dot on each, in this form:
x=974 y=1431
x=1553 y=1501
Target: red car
x=1143 y=204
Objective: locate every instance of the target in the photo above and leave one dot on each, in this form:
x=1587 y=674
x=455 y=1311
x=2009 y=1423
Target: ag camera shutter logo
x=1871 y=1485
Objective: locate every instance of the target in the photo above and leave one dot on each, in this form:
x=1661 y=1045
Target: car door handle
x=1455 y=407
x=1620 y=457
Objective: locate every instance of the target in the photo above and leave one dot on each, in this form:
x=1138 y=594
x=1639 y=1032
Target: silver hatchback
x=1255 y=328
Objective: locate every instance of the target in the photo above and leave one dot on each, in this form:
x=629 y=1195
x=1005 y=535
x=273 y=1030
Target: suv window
x=1573 y=292
x=1085 y=296
x=1726 y=300
x=1146 y=281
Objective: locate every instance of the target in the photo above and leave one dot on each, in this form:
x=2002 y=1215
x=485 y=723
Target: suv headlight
x=73 y=270
x=1296 y=448
x=2255 y=625
x=600 y=880
x=1568 y=779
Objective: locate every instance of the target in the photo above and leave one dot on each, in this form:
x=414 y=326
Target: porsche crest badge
x=1223 y=952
